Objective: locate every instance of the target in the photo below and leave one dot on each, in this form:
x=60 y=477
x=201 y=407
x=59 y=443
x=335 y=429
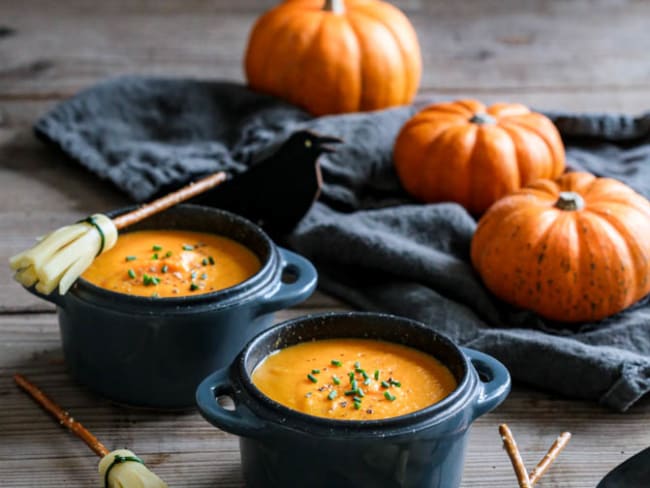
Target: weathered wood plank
x=57 y=48
x=186 y=451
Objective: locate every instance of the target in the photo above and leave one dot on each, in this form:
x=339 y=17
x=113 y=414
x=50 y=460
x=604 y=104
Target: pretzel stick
x=168 y=201
x=515 y=457
x=559 y=444
x=61 y=415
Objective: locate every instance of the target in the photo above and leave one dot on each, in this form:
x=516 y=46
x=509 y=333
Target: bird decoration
x=280 y=189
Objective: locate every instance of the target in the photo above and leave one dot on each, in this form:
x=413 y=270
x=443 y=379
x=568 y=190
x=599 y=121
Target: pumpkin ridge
x=306 y=52
x=555 y=163
x=557 y=158
x=541 y=246
x=486 y=141
x=462 y=189
x=630 y=242
x=410 y=88
x=473 y=106
x=270 y=64
x=536 y=171
x=427 y=151
x=617 y=298
x=346 y=53
x=364 y=104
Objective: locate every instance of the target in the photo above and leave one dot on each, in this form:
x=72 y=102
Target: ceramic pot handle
x=240 y=421
x=288 y=294
x=494 y=381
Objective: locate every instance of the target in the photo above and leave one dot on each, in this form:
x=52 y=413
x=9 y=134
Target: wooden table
x=578 y=55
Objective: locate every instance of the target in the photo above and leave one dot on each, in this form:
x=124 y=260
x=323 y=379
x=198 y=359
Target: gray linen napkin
x=373 y=246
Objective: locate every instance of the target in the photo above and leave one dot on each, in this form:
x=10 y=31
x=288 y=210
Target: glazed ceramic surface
x=282 y=447
x=153 y=352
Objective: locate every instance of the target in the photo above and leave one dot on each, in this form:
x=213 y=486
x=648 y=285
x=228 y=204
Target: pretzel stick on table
x=61 y=415
x=559 y=444
x=515 y=457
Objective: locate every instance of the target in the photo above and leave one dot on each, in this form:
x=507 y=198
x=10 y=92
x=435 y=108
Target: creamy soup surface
x=353 y=379
x=170 y=263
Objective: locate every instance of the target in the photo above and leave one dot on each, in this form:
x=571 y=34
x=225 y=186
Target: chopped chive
x=211 y=259
x=146 y=279
x=315 y=371
x=360 y=393
x=351 y=375
x=354 y=385
x=350 y=392
x=357 y=364
x=332 y=395
x=357 y=399
x=312 y=378
x=131 y=273
x=154 y=280
x=357 y=405
x=204 y=276
x=396 y=383
x=155 y=256
x=168 y=254
x=193 y=274
x=385 y=384
x=204 y=261
x=367 y=381
x=165 y=268
x=336 y=380
x=156 y=247
x=389 y=396
x=364 y=374
x=187 y=247
x=129 y=258
x=194 y=287
x=377 y=374
x=336 y=362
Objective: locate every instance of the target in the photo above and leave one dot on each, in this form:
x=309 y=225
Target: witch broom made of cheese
x=117 y=469
x=63 y=255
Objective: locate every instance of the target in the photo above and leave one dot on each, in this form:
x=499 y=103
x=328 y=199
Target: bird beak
x=323 y=143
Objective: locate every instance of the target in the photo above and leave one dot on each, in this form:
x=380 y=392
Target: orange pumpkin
x=335 y=56
x=576 y=249
x=466 y=153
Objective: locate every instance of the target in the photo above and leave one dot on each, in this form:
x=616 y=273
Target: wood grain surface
x=568 y=55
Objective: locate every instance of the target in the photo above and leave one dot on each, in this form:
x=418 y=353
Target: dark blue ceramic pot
x=281 y=447
x=153 y=352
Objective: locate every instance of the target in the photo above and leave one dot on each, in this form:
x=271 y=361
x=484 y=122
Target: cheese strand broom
x=63 y=255
x=117 y=469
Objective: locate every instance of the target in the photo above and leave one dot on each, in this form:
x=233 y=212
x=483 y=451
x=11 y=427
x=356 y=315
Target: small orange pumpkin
x=335 y=56
x=466 y=153
x=573 y=250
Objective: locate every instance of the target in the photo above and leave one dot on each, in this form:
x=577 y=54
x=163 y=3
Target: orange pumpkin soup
x=353 y=379
x=170 y=263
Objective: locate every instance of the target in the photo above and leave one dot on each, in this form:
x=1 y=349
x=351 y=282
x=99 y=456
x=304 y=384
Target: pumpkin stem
x=334 y=6
x=570 y=200
x=482 y=118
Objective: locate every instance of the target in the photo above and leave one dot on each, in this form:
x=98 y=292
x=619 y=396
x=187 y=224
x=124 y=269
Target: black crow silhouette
x=279 y=190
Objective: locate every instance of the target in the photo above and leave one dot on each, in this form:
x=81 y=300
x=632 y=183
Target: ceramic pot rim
x=437 y=412
x=237 y=294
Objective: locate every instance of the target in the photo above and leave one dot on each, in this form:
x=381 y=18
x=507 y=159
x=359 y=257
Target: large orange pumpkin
x=335 y=56
x=573 y=250
x=466 y=153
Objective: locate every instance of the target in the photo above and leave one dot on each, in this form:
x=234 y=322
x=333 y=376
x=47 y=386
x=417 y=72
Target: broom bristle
x=63 y=255
x=128 y=474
